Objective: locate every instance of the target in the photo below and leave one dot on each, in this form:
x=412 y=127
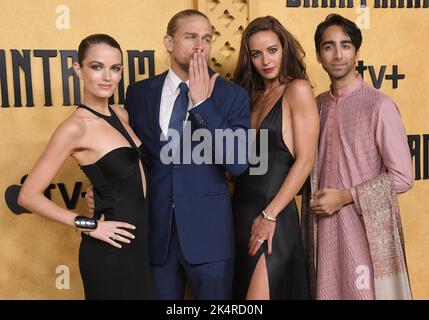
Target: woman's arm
x=62 y=144
x=59 y=148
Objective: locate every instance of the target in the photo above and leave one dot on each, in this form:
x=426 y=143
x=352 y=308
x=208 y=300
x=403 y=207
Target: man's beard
x=184 y=66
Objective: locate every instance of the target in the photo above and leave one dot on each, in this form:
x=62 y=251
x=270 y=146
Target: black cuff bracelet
x=85 y=224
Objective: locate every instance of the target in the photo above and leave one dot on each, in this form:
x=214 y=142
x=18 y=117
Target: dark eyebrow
x=333 y=42
x=273 y=46
x=327 y=42
x=98 y=62
x=95 y=61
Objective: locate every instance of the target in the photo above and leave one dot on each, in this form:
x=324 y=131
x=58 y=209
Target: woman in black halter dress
x=270 y=260
x=107 y=271
x=113 y=258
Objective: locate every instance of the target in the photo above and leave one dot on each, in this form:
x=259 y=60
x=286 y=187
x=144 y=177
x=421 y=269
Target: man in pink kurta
x=361 y=137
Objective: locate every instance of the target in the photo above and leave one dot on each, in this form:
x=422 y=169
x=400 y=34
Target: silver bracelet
x=85 y=224
x=267 y=217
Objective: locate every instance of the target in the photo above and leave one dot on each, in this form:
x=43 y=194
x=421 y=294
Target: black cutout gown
x=109 y=272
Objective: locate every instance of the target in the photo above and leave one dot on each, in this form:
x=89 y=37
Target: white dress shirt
x=170 y=91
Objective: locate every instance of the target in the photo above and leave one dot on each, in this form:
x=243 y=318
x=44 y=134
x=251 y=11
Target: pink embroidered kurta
x=361 y=136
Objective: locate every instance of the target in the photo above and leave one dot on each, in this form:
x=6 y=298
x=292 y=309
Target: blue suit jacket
x=199 y=192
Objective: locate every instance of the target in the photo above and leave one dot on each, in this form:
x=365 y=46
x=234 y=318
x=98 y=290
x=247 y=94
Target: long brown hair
x=293 y=66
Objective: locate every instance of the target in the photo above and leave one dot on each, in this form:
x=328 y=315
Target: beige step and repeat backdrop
x=38 y=259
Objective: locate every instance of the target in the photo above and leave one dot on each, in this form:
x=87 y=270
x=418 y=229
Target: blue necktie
x=180 y=109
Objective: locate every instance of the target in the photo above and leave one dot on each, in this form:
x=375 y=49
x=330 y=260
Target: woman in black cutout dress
x=107 y=271
x=113 y=258
x=271 y=68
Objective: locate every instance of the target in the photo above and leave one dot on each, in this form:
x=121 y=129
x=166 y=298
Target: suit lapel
x=155 y=98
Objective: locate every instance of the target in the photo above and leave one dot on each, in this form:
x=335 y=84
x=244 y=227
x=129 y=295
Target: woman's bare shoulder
x=299 y=87
x=73 y=126
x=299 y=92
x=121 y=112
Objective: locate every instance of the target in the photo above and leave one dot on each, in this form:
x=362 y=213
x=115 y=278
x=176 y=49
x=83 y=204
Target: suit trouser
x=208 y=281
